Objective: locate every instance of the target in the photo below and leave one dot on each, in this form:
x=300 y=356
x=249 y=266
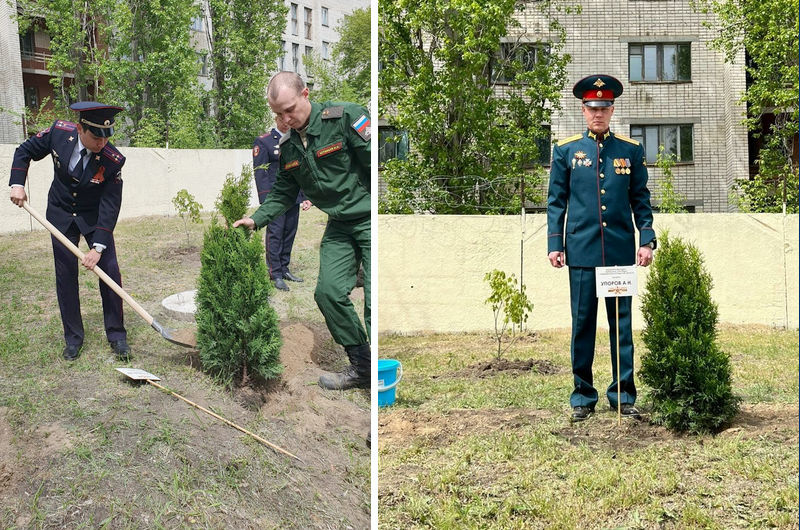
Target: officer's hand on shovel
x=245 y=221
x=18 y=195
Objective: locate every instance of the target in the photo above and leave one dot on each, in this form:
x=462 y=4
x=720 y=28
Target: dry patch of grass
x=80 y=446
x=500 y=452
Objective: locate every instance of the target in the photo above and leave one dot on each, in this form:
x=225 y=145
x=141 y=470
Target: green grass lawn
x=468 y=451
x=81 y=447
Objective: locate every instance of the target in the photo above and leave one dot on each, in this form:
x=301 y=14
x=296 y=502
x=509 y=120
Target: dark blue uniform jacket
x=93 y=199
x=266 y=161
x=600 y=186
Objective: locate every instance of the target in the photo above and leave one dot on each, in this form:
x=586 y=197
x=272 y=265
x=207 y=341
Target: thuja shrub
x=690 y=376
x=237 y=329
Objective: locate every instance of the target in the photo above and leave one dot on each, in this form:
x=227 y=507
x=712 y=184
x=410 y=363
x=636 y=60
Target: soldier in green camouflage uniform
x=327 y=156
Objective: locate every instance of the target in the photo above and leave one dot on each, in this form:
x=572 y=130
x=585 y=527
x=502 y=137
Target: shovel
x=140 y=375
x=186 y=337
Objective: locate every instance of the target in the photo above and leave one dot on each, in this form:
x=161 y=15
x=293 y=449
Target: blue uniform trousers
x=279 y=239
x=583 y=300
x=345 y=245
x=69 y=302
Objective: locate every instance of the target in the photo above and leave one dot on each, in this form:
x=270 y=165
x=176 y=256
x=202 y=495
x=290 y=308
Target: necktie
x=78 y=169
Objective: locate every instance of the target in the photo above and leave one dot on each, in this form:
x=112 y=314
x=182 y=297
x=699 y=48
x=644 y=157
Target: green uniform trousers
x=583 y=298
x=345 y=245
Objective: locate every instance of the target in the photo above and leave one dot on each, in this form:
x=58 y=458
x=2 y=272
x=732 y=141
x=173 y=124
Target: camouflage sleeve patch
x=361 y=126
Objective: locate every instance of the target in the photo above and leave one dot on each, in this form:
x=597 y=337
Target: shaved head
x=285 y=80
x=288 y=98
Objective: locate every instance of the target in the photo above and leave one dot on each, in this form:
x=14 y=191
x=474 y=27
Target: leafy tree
x=669 y=200
x=475 y=98
x=689 y=375
x=153 y=69
x=509 y=305
x=75 y=30
x=245 y=48
x=353 y=52
x=329 y=83
x=188 y=208
x=767 y=31
x=237 y=329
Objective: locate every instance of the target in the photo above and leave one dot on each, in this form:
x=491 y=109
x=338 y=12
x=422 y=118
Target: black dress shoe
x=280 y=284
x=72 y=351
x=121 y=349
x=581 y=413
x=291 y=277
x=629 y=411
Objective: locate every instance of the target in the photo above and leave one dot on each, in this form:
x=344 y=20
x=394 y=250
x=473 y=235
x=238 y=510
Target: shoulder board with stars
x=113 y=154
x=570 y=139
x=332 y=112
x=65 y=125
x=626 y=139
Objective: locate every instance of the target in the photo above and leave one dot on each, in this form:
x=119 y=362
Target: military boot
x=357 y=375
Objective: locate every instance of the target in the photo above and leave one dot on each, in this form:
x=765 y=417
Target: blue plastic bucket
x=390 y=372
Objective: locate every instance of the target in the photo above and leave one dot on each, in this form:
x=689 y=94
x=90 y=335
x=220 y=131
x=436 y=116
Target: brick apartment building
x=678 y=92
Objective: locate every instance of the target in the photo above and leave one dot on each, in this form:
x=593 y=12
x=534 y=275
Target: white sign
x=613 y=282
x=135 y=373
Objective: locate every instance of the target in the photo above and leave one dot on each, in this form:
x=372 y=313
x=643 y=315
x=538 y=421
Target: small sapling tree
x=509 y=305
x=188 y=209
x=237 y=329
x=670 y=200
x=690 y=376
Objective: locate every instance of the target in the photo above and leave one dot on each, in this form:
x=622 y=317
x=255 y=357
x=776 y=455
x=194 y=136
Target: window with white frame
x=660 y=62
x=282 y=57
x=516 y=57
x=392 y=143
x=202 y=58
x=323 y=16
x=293 y=18
x=307 y=20
x=197 y=23
x=295 y=57
x=326 y=52
x=676 y=139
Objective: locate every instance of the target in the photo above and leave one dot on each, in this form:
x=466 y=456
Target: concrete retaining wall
x=431 y=269
x=152 y=178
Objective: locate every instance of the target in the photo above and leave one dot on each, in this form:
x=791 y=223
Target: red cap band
x=598 y=94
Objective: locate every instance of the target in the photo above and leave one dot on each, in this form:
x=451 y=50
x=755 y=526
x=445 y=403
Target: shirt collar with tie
x=80 y=153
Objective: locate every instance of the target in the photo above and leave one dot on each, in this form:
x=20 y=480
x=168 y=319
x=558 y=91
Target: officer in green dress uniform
x=326 y=155
x=598 y=182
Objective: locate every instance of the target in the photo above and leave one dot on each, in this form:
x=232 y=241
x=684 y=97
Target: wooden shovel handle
x=97 y=270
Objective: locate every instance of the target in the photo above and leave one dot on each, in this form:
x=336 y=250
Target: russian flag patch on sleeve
x=361 y=126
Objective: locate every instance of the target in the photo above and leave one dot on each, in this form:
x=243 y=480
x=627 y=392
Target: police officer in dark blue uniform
x=598 y=181
x=280 y=232
x=84 y=199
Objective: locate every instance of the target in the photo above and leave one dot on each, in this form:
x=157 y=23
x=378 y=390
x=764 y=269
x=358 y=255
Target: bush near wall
x=689 y=375
x=237 y=329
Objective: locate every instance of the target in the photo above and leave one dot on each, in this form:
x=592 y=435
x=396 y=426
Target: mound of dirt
x=298 y=398
x=406 y=427
x=510 y=366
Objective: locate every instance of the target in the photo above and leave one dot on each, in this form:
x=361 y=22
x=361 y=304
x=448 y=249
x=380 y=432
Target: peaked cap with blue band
x=97 y=117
